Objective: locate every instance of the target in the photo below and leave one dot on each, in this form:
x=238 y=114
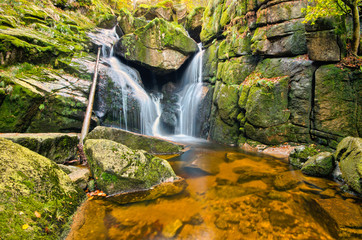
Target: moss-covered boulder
x=222 y=132
x=235 y=70
x=118 y=168
x=320 y=165
x=193 y=23
x=55 y=146
x=160 y=46
x=36 y=197
x=349 y=156
x=226 y=100
x=211 y=27
x=267 y=103
x=299 y=155
x=132 y=140
x=210 y=63
x=337 y=109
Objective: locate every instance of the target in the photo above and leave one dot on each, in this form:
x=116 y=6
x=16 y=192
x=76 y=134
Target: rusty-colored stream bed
x=230 y=195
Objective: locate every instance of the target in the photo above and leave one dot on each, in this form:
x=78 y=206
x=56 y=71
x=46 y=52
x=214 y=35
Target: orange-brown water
x=235 y=196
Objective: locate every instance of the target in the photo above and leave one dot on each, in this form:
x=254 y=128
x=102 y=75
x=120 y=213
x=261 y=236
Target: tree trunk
x=356 y=29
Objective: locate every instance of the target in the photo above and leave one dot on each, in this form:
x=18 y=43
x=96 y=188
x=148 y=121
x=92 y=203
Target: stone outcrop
x=58 y=147
x=31 y=183
x=132 y=140
x=263 y=42
x=118 y=168
x=160 y=46
x=349 y=157
x=320 y=165
x=193 y=23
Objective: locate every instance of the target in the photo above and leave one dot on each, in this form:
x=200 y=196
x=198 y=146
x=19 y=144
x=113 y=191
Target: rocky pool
x=230 y=195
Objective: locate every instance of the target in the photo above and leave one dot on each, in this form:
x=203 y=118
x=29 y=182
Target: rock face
x=55 y=146
x=32 y=183
x=267 y=41
x=193 y=23
x=136 y=141
x=118 y=168
x=320 y=165
x=349 y=156
x=160 y=46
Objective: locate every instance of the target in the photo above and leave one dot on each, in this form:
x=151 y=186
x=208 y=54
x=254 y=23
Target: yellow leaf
x=37 y=214
x=25 y=226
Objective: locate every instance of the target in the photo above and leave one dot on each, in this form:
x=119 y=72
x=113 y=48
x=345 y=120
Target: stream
x=230 y=195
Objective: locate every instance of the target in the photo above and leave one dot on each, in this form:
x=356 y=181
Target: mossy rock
x=211 y=27
x=193 y=23
x=136 y=141
x=320 y=165
x=300 y=155
x=159 y=46
x=226 y=100
x=118 y=168
x=222 y=132
x=336 y=108
x=235 y=70
x=55 y=146
x=267 y=103
x=31 y=183
x=210 y=63
x=349 y=156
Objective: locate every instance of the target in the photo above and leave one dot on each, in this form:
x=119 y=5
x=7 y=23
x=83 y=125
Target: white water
x=190 y=95
x=146 y=118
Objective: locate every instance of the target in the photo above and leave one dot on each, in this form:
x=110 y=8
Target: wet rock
x=211 y=27
x=171 y=229
x=204 y=111
x=321 y=165
x=118 y=168
x=152 y=145
x=193 y=23
x=160 y=190
x=231 y=157
x=280 y=196
x=328 y=193
x=159 y=46
x=59 y=147
x=281 y=219
x=282 y=151
x=30 y=182
x=204 y=166
x=349 y=156
x=300 y=155
x=342 y=218
x=286 y=181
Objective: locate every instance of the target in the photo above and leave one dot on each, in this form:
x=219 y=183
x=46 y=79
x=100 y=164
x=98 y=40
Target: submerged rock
x=59 y=147
x=321 y=164
x=118 y=168
x=31 y=186
x=349 y=156
x=160 y=190
x=132 y=140
x=159 y=46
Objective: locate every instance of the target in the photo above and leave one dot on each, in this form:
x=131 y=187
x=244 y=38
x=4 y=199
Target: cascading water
x=190 y=95
x=145 y=114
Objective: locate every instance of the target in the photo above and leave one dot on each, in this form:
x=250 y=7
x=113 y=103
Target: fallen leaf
x=25 y=226
x=37 y=214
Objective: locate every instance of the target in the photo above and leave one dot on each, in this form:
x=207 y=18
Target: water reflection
x=231 y=195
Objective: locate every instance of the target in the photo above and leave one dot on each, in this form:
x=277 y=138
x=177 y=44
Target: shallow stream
x=230 y=195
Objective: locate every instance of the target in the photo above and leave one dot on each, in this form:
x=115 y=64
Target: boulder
x=34 y=193
x=222 y=132
x=211 y=27
x=132 y=140
x=336 y=109
x=59 y=147
x=267 y=103
x=159 y=46
x=323 y=46
x=226 y=100
x=235 y=70
x=300 y=155
x=193 y=23
x=349 y=157
x=320 y=165
x=118 y=168
x=210 y=63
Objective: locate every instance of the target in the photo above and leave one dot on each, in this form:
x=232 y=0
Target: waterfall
x=190 y=95
x=145 y=113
